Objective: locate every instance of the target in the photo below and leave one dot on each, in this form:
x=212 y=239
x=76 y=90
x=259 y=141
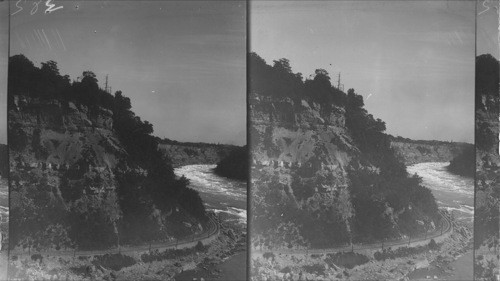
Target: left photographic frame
x=4 y=188
x=97 y=191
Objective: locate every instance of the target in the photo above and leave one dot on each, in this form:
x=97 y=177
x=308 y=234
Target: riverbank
x=452 y=192
x=456 y=194
x=145 y=265
x=349 y=266
x=442 y=269
x=229 y=263
x=228 y=199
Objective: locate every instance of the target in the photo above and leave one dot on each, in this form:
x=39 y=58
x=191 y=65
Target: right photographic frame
x=361 y=136
x=487 y=189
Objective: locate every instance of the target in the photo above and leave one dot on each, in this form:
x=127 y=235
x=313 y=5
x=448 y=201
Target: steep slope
x=323 y=173
x=87 y=173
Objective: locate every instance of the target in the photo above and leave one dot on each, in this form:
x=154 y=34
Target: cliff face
x=288 y=135
x=314 y=186
x=70 y=178
x=413 y=152
x=300 y=157
x=58 y=134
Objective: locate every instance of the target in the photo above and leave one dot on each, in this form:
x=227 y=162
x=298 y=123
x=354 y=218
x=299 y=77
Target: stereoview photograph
x=98 y=192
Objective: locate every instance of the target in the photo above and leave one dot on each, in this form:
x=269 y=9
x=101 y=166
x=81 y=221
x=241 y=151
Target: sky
x=488 y=28
x=182 y=63
x=412 y=61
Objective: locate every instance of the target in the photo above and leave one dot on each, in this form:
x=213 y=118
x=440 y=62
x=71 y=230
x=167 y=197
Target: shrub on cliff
x=235 y=165
x=464 y=163
x=279 y=81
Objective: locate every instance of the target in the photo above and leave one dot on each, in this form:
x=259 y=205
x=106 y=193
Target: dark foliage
x=47 y=83
x=464 y=164
x=279 y=81
x=487 y=101
x=235 y=165
x=4 y=161
x=487 y=83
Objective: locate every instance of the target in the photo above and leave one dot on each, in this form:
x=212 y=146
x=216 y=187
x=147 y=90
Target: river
x=456 y=194
x=453 y=192
x=220 y=195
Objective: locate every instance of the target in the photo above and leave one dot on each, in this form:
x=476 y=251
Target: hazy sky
x=413 y=61
x=182 y=63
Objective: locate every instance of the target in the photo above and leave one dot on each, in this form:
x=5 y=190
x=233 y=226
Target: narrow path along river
x=221 y=195
x=456 y=194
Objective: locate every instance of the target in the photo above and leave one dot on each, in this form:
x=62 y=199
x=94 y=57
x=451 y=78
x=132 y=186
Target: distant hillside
x=418 y=151
x=189 y=153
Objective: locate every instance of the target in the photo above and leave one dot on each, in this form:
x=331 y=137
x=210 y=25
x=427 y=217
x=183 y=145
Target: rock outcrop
x=304 y=159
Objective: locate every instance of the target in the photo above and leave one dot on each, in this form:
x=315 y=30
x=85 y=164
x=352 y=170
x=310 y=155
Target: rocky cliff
x=312 y=185
x=302 y=157
x=73 y=183
x=323 y=173
x=417 y=151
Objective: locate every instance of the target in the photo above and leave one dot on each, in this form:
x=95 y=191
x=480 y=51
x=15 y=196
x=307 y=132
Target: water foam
x=203 y=179
x=452 y=192
x=436 y=176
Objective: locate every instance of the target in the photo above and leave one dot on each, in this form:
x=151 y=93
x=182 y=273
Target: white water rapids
x=453 y=192
x=219 y=194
